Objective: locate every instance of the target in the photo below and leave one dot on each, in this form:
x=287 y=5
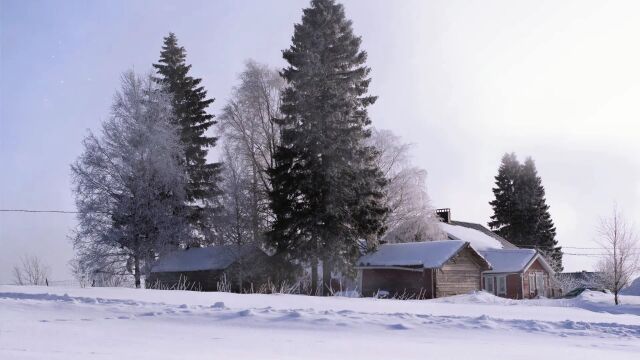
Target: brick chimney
x=444 y=214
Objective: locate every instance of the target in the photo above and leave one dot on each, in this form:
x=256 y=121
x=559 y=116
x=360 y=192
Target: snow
x=207 y=258
x=508 y=260
x=477 y=239
x=429 y=254
x=633 y=289
x=108 y=323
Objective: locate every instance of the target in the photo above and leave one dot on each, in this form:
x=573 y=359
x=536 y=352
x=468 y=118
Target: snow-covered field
x=110 y=323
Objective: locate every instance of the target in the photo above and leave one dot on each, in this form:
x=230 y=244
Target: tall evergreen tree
x=327 y=190
x=504 y=203
x=520 y=212
x=537 y=228
x=190 y=104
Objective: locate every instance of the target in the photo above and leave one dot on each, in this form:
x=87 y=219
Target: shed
x=422 y=269
x=235 y=267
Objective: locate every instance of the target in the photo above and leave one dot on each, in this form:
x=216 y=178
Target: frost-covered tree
x=251 y=136
x=411 y=216
x=621 y=256
x=190 y=103
x=327 y=189
x=129 y=184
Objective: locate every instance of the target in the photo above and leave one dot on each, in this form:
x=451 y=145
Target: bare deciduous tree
x=31 y=271
x=235 y=223
x=411 y=216
x=250 y=133
x=620 y=246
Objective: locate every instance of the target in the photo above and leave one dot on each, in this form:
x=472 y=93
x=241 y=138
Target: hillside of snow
x=110 y=323
x=633 y=289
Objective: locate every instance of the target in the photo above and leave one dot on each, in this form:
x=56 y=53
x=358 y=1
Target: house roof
x=508 y=260
x=427 y=254
x=206 y=258
x=479 y=236
x=513 y=260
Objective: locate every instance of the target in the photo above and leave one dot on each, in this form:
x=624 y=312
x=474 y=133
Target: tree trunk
x=314 y=275
x=136 y=270
x=326 y=277
x=255 y=231
x=615 y=297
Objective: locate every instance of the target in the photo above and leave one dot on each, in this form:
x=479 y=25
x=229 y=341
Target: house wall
x=206 y=280
x=397 y=282
x=514 y=286
x=536 y=267
x=513 y=281
x=460 y=275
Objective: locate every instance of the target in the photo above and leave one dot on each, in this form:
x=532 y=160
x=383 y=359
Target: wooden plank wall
x=460 y=275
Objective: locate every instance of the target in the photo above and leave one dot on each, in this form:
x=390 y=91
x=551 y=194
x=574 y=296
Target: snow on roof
x=206 y=258
x=508 y=260
x=428 y=254
x=479 y=240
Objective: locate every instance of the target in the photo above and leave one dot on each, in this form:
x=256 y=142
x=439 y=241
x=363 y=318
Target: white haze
x=464 y=81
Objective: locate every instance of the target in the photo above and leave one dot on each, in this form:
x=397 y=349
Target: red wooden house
x=518 y=274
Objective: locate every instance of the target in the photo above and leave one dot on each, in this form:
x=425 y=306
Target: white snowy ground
x=110 y=323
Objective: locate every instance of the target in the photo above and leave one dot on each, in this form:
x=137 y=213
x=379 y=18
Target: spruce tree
x=535 y=223
x=190 y=106
x=327 y=191
x=520 y=212
x=504 y=203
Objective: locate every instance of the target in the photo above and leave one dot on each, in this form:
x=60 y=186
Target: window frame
x=503 y=279
x=489 y=279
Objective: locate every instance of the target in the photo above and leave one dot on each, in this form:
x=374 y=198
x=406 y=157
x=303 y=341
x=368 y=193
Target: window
x=502 y=285
x=488 y=284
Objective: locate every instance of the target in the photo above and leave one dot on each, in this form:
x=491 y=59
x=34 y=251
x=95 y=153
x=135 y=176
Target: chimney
x=444 y=214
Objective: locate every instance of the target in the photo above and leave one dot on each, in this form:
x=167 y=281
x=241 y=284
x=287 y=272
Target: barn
x=422 y=269
x=518 y=274
x=234 y=267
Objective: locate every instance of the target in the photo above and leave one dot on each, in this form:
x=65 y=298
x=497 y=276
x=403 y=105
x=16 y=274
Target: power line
x=40 y=211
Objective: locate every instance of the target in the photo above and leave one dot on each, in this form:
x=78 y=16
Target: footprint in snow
x=398 y=327
x=218 y=305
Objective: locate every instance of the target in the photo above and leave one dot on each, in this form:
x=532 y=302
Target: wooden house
x=518 y=274
x=233 y=267
x=422 y=269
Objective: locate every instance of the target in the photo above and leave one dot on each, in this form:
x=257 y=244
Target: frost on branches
x=411 y=216
x=129 y=185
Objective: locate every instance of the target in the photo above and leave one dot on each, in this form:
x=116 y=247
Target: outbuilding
x=422 y=270
x=229 y=267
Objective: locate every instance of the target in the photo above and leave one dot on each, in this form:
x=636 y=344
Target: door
x=540 y=284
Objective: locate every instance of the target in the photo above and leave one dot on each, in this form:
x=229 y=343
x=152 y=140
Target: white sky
x=465 y=81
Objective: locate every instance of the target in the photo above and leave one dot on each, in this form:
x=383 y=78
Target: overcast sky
x=465 y=81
